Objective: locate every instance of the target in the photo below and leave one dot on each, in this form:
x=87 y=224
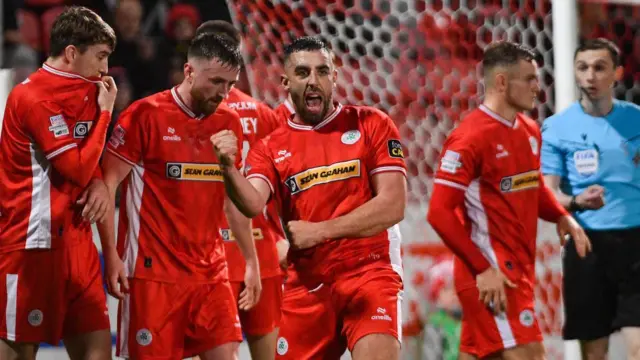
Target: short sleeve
x=459 y=162
x=386 y=152
x=551 y=154
x=260 y=165
x=126 y=140
x=48 y=127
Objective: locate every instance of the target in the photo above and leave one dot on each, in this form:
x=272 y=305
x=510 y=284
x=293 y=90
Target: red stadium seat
x=47 y=21
x=29 y=25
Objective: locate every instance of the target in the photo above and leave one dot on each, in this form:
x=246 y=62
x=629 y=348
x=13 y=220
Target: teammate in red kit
x=260 y=324
x=337 y=174
x=178 y=301
x=285 y=110
x=488 y=194
x=53 y=134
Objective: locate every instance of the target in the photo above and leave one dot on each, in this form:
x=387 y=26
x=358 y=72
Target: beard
x=307 y=116
x=202 y=105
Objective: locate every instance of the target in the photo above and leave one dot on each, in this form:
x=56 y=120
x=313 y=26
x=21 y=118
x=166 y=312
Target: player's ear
x=500 y=81
x=188 y=72
x=335 y=76
x=70 y=53
x=284 y=80
x=619 y=73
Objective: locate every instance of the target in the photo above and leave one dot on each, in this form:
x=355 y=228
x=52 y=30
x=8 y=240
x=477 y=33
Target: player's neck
x=299 y=120
x=185 y=96
x=501 y=108
x=58 y=63
x=597 y=108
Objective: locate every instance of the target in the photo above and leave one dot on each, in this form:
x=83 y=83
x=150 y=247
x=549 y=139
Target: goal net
x=418 y=60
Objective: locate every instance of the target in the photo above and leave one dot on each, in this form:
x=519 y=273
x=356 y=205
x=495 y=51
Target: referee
x=591 y=159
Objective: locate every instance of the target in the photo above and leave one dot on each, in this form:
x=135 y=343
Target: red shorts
x=484 y=333
x=265 y=316
x=49 y=295
x=364 y=303
x=172 y=321
x=370 y=303
x=309 y=328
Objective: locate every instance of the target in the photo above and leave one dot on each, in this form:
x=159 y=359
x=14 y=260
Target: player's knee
x=376 y=347
x=594 y=349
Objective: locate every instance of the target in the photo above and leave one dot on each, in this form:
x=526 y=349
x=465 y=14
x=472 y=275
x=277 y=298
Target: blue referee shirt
x=585 y=150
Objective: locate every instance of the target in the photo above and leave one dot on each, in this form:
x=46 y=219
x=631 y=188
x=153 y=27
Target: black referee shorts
x=602 y=292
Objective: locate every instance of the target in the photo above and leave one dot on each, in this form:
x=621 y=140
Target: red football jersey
x=172 y=201
x=284 y=111
x=49 y=113
x=321 y=172
x=497 y=164
x=258 y=120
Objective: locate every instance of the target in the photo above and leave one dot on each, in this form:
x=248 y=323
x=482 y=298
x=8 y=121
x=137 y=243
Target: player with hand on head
x=337 y=174
x=259 y=324
x=53 y=134
x=490 y=169
x=169 y=269
x=591 y=160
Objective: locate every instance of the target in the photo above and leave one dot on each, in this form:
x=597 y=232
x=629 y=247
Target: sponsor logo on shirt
x=450 y=162
x=227 y=234
x=172 y=136
x=243 y=105
x=523 y=181
x=117 y=136
x=194 y=172
x=58 y=126
x=395 y=149
x=81 y=129
x=322 y=175
x=382 y=315
x=282 y=154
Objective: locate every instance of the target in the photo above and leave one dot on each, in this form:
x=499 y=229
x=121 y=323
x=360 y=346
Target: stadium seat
x=29 y=25
x=48 y=18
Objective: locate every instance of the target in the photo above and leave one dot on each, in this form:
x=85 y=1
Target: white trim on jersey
x=124 y=324
x=53 y=71
x=262 y=177
x=61 y=150
x=39 y=227
x=395 y=243
x=480 y=237
x=289 y=107
x=182 y=105
x=450 y=184
x=122 y=157
x=323 y=123
x=11 y=311
x=499 y=118
x=399 y=299
x=135 y=189
x=388 y=169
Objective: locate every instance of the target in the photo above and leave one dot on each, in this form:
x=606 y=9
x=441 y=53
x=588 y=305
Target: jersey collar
x=499 y=118
x=54 y=71
x=324 y=122
x=289 y=107
x=178 y=100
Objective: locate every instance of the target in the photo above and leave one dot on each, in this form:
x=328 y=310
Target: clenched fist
x=225 y=143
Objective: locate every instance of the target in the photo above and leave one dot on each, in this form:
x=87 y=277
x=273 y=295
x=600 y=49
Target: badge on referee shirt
x=586 y=161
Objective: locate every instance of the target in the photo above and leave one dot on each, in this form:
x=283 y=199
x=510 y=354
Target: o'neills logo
x=523 y=181
x=194 y=172
x=323 y=175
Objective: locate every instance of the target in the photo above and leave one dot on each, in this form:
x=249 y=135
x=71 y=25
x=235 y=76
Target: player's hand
x=491 y=284
x=107 y=91
x=225 y=143
x=592 y=198
x=115 y=276
x=304 y=234
x=250 y=295
x=282 y=246
x=96 y=201
x=568 y=227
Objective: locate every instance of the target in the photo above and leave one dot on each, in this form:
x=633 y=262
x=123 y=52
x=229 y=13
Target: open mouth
x=313 y=102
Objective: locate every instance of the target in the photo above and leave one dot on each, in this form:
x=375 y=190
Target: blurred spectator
x=24 y=60
x=135 y=52
x=182 y=21
x=11 y=34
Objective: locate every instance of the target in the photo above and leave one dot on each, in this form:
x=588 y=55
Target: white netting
x=418 y=61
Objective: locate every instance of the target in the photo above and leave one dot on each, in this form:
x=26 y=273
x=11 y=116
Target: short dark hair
x=222 y=28
x=213 y=46
x=505 y=53
x=600 y=44
x=80 y=27
x=306 y=43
